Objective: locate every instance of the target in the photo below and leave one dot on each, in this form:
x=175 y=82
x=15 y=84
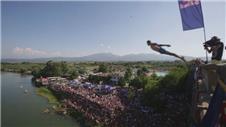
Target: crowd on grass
x=113 y=106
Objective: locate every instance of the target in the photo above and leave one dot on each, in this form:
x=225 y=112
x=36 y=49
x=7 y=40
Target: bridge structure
x=208 y=95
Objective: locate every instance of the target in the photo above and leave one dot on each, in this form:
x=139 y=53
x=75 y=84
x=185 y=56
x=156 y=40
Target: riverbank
x=45 y=92
x=60 y=108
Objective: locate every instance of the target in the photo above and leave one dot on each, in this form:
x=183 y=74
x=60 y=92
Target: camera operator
x=215 y=46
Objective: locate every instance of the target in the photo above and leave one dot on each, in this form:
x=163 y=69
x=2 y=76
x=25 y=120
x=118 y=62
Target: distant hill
x=102 y=57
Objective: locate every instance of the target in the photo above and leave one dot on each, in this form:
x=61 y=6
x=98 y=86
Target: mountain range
x=101 y=57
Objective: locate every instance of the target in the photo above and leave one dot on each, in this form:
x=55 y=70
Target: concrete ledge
x=210 y=72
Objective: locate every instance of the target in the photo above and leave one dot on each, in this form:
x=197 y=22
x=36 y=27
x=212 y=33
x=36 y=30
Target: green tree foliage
x=139 y=82
x=94 y=79
x=175 y=79
x=103 y=68
x=128 y=74
x=142 y=71
x=48 y=69
x=24 y=67
x=97 y=79
x=36 y=72
x=22 y=70
x=64 y=67
x=122 y=82
x=74 y=75
x=54 y=69
x=171 y=83
x=127 y=77
x=51 y=69
x=82 y=70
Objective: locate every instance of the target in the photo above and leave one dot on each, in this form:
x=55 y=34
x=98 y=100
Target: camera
x=209 y=43
x=212 y=42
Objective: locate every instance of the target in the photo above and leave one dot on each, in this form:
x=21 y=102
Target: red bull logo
x=188 y=3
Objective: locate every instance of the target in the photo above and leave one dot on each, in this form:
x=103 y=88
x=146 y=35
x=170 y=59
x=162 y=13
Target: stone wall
x=210 y=72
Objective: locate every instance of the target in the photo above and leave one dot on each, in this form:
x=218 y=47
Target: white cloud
x=29 y=52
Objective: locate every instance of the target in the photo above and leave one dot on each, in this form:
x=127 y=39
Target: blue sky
x=48 y=29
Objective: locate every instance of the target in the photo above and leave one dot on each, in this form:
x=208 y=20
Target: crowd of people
x=112 y=108
x=103 y=108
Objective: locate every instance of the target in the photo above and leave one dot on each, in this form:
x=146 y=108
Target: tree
x=94 y=79
x=128 y=74
x=74 y=74
x=103 y=68
x=64 y=67
x=175 y=79
x=36 y=72
x=22 y=70
x=81 y=70
x=142 y=71
x=122 y=82
x=139 y=82
x=52 y=69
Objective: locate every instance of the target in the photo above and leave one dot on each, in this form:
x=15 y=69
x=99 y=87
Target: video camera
x=212 y=42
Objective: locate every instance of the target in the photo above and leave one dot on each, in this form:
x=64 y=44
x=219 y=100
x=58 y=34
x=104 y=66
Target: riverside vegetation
x=42 y=91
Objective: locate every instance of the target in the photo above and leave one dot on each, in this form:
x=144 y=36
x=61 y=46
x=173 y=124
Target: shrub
x=103 y=68
x=175 y=79
x=22 y=71
x=122 y=82
x=174 y=82
x=74 y=75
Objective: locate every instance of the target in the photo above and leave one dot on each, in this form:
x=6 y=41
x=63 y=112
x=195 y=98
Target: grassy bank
x=45 y=92
x=42 y=91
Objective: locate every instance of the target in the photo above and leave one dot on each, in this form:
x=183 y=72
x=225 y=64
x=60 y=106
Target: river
x=161 y=73
x=20 y=109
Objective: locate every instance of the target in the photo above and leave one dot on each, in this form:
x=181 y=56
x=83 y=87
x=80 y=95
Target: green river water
x=20 y=109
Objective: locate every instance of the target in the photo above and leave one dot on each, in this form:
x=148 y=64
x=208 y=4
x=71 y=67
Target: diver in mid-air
x=158 y=48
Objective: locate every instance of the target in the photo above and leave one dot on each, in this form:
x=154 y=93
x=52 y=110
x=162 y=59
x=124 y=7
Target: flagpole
x=204 y=32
